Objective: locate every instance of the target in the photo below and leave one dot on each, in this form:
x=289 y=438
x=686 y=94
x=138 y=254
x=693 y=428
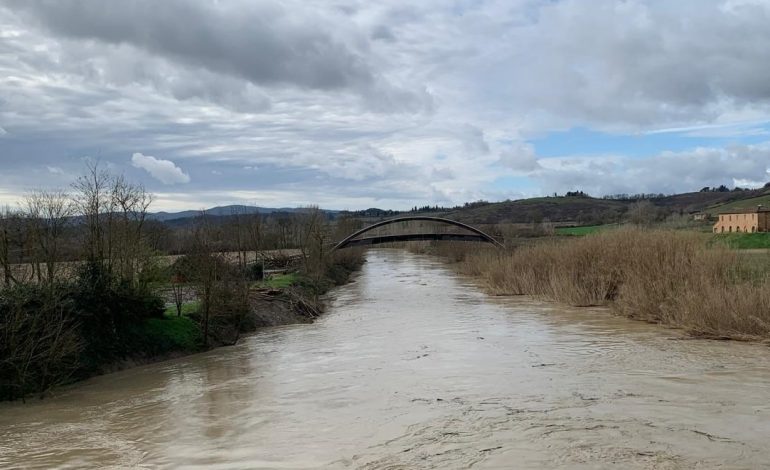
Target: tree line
x=86 y=278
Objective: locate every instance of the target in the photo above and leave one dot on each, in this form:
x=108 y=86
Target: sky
x=350 y=104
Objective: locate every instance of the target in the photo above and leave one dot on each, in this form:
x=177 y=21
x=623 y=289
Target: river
x=413 y=367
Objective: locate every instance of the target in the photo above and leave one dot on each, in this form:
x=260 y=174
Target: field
x=744 y=241
x=584 y=230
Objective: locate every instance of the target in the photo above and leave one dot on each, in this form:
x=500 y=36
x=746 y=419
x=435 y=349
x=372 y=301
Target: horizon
x=350 y=105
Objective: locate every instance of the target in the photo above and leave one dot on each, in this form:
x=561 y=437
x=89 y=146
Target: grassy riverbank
x=674 y=278
x=93 y=324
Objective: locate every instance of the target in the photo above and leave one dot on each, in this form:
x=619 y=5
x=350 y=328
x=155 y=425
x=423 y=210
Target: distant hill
x=576 y=208
x=225 y=211
x=586 y=210
x=556 y=209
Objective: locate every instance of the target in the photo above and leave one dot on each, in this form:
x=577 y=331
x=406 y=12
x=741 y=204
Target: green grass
x=280 y=281
x=580 y=231
x=187 y=308
x=163 y=335
x=744 y=241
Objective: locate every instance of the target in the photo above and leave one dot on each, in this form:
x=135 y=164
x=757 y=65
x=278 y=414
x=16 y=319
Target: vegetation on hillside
x=744 y=204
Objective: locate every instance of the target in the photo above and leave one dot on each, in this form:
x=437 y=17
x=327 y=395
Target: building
x=700 y=216
x=748 y=221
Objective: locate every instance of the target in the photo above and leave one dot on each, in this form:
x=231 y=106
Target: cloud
x=384 y=103
x=667 y=173
x=263 y=42
x=269 y=43
x=162 y=170
x=519 y=157
x=629 y=65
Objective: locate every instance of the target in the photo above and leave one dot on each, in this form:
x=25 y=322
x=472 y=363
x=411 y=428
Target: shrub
x=255 y=272
x=667 y=277
x=39 y=340
x=107 y=312
x=157 y=336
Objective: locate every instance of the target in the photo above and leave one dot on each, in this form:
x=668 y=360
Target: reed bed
x=668 y=277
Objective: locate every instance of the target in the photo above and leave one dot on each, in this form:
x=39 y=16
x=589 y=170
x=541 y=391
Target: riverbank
x=672 y=278
x=92 y=325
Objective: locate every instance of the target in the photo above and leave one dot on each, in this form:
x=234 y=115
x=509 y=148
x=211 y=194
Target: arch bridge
x=475 y=234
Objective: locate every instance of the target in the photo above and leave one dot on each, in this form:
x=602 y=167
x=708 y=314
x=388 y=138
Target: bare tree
x=205 y=269
x=179 y=291
x=5 y=246
x=132 y=201
x=94 y=202
x=47 y=213
x=312 y=233
x=37 y=351
x=643 y=213
x=115 y=212
x=15 y=247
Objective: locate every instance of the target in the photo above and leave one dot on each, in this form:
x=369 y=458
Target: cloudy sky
x=352 y=104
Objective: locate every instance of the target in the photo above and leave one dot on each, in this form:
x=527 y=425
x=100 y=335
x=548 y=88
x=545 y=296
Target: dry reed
x=666 y=277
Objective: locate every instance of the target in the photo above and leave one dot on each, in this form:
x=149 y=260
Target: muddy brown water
x=414 y=367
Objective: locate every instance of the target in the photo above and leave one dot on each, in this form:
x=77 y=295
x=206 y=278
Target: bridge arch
x=478 y=235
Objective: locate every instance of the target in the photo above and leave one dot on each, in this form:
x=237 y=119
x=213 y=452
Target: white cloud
x=667 y=172
x=3 y=132
x=519 y=157
x=162 y=170
x=55 y=170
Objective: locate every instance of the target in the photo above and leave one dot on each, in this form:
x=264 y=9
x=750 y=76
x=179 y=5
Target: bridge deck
x=378 y=240
x=478 y=235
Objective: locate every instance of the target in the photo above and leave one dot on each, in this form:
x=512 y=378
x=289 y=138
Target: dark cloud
x=379 y=102
x=265 y=43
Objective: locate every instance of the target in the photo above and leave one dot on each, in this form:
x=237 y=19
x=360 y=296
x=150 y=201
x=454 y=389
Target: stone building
x=747 y=221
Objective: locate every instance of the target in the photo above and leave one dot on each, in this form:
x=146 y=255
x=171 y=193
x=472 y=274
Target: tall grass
x=667 y=277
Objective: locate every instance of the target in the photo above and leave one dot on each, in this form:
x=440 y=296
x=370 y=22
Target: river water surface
x=414 y=367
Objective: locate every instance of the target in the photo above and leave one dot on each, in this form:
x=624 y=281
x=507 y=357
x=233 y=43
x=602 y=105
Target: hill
x=576 y=208
x=221 y=211
x=580 y=209
x=586 y=210
x=711 y=201
x=743 y=204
